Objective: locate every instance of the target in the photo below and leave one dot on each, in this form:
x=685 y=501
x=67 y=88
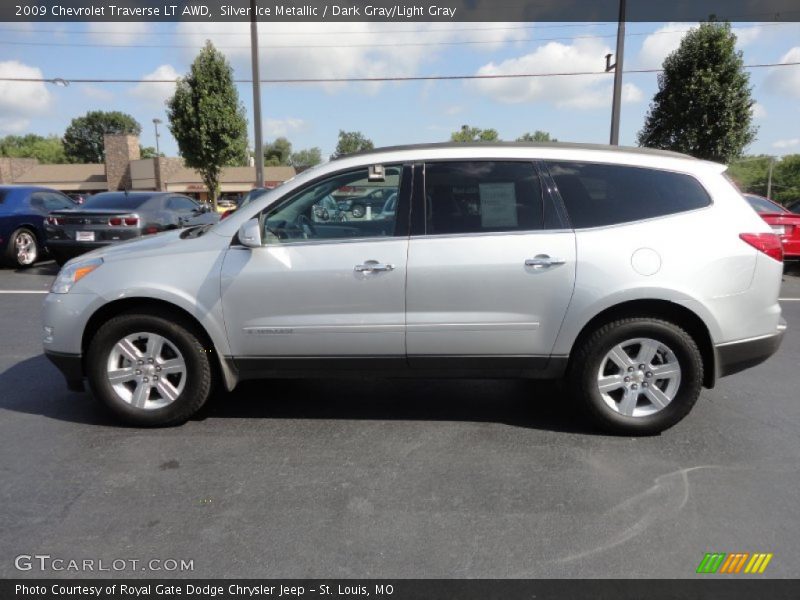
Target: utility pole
x=259 y=149
x=769 y=177
x=157 y=122
x=617 y=66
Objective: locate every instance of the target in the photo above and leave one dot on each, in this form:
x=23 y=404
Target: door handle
x=543 y=260
x=372 y=266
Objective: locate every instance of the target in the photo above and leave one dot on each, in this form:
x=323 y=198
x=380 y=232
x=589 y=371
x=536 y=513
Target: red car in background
x=783 y=222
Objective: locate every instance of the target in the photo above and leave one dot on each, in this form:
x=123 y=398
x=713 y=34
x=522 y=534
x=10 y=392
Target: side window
x=482 y=196
x=325 y=209
x=596 y=195
x=181 y=204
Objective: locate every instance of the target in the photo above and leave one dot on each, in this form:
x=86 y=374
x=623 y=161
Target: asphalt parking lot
x=393 y=478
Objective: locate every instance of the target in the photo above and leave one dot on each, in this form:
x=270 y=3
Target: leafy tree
x=351 y=142
x=48 y=149
x=278 y=152
x=536 y=136
x=474 y=134
x=149 y=152
x=207 y=119
x=751 y=173
x=83 y=139
x=309 y=157
x=786 y=179
x=703 y=102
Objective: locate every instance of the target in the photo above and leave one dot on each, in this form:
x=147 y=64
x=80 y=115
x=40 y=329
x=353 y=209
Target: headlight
x=73 y=273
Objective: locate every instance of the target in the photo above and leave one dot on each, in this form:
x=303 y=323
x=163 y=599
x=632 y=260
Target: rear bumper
x=738 y=356
x=71 y=367
x=66 y=249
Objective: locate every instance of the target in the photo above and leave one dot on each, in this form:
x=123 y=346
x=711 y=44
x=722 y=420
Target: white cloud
x=759 y=111
x=453 y=109
x=156 y=94
x=577 y=91
x=118 y=34
x=319 y=50
x=665 y=40
x=282 y=127
x=790 y=143
x=786 y=80
x=21 y=101
x=660 y=44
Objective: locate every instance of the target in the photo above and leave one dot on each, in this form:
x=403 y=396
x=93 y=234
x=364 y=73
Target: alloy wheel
x=146 y=370
x=639 y=377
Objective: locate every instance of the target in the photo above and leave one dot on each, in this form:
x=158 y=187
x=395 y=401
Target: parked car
x=637 y=276
x=783 y=222
x=357 y=205
x=227 y=203
x=22 y=213
x=248 y=197
x=113 y=217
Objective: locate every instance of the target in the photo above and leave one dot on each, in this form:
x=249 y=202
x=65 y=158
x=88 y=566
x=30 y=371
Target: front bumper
x=738 y=356
x=71 y=366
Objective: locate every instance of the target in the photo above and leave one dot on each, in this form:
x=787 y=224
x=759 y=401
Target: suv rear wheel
x=148 y=370
x=637 y=376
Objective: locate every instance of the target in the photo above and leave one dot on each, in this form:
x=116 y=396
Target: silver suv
x=637 y=276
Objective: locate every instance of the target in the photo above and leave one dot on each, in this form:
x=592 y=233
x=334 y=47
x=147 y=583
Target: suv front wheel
x=637 y=376
x=148 y=370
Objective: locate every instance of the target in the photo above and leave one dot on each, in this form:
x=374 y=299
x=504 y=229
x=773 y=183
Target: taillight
x=115 y=221
x=151 y=230
x=226 y=214
x=52 y=221
x=127 y=220
x=768 y=243
x=131 y=221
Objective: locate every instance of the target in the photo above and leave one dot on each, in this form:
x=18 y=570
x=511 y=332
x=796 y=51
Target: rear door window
x=596 y=195
x=482 y=197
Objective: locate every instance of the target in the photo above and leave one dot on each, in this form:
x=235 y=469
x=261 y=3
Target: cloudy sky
x=570 y=108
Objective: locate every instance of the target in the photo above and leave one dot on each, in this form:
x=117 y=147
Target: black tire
x=586 y=361
x=198 y=374
x=358 y=211
x=11 y=257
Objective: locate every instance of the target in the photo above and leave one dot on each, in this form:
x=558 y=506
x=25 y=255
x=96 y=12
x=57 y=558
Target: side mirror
x=250 y=234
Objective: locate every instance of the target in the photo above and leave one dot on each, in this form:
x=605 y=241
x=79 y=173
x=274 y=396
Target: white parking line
x=23 y=291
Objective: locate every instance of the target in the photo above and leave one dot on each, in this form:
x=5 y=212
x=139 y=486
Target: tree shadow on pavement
x=34 y=386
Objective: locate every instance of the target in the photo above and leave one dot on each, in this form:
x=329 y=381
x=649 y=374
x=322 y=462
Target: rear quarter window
x=596 y=195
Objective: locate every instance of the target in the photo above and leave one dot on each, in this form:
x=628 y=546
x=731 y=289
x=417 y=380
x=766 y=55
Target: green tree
x=308 y=157
x=703 y=102
x=474 y=134
x=207 y=119
x=48 y=149
x=750 y=173
x=149 y=152
x=351 y=142
x=786 y=179
x=536 y=136
x=83 y=139
x=278 y=152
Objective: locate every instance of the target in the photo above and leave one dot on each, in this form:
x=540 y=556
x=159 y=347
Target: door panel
x=474 y=294
x=310 y=299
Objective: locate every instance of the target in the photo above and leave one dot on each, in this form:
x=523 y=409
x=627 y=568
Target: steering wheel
x=304 y=224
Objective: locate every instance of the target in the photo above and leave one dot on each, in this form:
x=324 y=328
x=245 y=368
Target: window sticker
x=498 y=205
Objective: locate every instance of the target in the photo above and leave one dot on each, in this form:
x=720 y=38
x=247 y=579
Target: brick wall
x=11 y=168
x=120 y=150
x=165 y=167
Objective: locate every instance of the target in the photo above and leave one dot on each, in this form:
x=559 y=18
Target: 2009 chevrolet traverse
x=638 y=276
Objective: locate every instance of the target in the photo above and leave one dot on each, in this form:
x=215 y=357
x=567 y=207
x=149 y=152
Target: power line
x=375 y=79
